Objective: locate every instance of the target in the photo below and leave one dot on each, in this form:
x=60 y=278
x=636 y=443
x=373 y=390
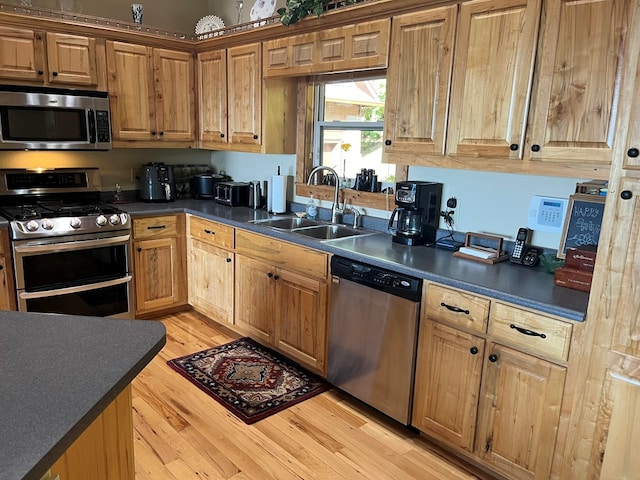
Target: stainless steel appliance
x=71 y=252
x=157 y=183
x=373 y=330
x=232 y=194
x=37 y=118
x=417 y=212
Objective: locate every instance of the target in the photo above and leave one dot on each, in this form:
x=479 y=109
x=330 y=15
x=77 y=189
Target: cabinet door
x=418 y=81
x=21 y=55
x=71 y=59
x=519 y=413
x=255 y=298
x=578 y=79
x=245 y=94
x=492 y=77
x=448 y=370
x=159 y=283
x=212 y=91
x=210 y=280
x=175 y=95
x=7 y=292
x=131 y=91
x=301 y=318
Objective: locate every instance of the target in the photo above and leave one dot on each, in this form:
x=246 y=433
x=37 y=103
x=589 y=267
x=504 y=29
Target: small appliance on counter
x=232 y=194
x=417 y=212
x=204 y=185
x=157 y=183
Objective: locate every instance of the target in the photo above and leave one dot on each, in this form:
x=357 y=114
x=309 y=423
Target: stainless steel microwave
x=36 y=118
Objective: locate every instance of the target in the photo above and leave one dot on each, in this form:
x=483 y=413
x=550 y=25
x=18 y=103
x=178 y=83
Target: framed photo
x=582 y=223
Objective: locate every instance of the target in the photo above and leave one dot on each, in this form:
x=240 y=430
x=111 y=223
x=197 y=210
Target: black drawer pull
x=228 y=260
x=156 y=227
x=454 y=309
x=473 y=350
x=493 y=358
x=209 y=232
x=270 y=275
x=525 y=331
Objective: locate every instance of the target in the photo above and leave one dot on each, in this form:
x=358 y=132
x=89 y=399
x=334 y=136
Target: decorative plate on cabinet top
x=209 y=23
x=262 y=9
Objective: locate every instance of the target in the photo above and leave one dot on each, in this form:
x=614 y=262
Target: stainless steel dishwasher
x=373 y=327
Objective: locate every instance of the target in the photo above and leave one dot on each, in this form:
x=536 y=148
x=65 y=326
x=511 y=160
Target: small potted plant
x=295 y=10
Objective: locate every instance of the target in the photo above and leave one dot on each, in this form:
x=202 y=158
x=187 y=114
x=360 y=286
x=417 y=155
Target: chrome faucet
x=336 y=212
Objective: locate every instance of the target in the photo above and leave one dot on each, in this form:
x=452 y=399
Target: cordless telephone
x=522 y=253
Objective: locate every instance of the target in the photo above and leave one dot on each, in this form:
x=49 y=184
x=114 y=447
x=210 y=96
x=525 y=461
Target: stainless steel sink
x=287 y=223
x=329 y=232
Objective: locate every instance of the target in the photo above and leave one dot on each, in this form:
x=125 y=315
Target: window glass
x=349 y=130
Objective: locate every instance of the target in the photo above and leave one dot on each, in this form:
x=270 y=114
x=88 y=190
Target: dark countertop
x=57 y=374
x=523 y=286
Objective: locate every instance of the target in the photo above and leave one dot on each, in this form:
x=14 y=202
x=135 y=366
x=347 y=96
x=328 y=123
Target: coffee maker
x=417 y=211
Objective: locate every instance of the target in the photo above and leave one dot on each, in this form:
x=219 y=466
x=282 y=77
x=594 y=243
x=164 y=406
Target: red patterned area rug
x=250 y=380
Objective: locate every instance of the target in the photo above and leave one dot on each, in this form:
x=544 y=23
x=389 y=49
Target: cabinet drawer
x=211 y=232
x=283 y=254
x=155 y=227
x=463 y=309
x=536 y=333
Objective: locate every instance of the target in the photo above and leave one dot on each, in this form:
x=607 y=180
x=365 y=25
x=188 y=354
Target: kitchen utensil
x=203 y=185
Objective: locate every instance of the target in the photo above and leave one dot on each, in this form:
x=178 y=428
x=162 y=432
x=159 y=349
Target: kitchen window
x=348 y=129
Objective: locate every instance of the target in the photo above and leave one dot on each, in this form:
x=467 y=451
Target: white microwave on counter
x=38 y=118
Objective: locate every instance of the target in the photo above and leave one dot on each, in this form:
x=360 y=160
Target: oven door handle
x=79 y=288
x=63 y=246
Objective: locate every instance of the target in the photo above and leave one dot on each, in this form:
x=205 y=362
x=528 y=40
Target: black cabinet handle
x=276 y=277
x=161 y=134
x=222 y=135
x=1 y=267
x=493 y=358
x=269 y=274
x=55 y=74
x=40 y=72
x=255 y=137
x=228 y=260
x=387 y=142
x=156 y=227
x=454 y=309
x=626 y=194
x=154 y=133
x=513 y=147
x=633 y=152
x=474 y=350
x=535 y=147
x=139 y=249
x=209 y=232
x=526 y=331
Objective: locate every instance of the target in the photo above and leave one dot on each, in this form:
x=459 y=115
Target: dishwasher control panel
x=377 y=277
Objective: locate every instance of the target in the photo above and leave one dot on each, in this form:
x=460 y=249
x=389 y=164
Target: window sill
x=379 y=201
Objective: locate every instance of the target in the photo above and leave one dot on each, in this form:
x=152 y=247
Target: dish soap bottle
x=312 y=210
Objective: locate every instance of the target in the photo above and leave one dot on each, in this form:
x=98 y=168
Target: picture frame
x=582 y=222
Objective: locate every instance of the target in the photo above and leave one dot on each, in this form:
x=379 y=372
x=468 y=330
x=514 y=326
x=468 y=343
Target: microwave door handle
x=91 y=117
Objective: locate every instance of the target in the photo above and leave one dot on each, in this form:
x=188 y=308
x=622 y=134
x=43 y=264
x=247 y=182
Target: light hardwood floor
x=181 y=433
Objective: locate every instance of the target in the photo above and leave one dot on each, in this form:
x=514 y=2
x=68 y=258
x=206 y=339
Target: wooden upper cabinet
x=175 y=95
x=349 y=48
x=21 y=55
x=245 y=94
x=492 y=76
x=152 y=96
x=212 y=96
x=419 y=80
x=583 y=50
x=71 y=59
x=28 y=56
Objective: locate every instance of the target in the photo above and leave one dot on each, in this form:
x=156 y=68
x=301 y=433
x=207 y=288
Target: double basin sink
x=311 y=228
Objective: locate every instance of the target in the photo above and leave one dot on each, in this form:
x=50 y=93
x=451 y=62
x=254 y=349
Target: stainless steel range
x=71 y=251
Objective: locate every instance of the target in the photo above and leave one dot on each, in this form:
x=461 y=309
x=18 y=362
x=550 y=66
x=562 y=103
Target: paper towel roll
x=279 y=194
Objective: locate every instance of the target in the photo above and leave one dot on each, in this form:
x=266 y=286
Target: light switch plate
x=547 y=214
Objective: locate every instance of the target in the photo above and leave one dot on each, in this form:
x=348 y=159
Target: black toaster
x=232 y=194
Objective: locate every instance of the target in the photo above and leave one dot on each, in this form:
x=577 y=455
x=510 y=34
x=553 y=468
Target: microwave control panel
x=547 y=214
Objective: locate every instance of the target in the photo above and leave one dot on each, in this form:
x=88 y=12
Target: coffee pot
x=417 y=213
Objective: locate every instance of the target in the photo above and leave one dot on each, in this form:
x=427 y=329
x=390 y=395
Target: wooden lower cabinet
x=104 y=451
x=282 y=297
x=7 y=285
x=495 y=404
x=159 y=263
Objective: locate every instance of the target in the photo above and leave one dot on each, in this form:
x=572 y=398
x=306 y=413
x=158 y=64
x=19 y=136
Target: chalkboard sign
x=582 y=222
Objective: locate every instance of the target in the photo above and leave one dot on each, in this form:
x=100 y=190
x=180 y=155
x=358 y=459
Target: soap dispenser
x=312 y=209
